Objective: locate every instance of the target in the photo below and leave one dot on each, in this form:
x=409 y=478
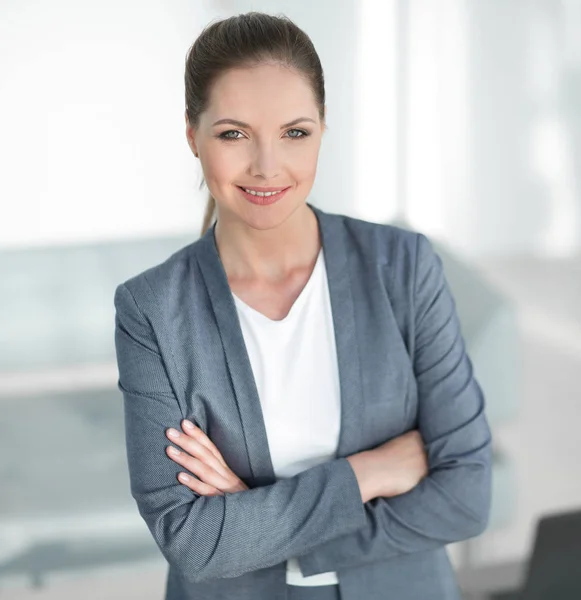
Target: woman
x=338 y=437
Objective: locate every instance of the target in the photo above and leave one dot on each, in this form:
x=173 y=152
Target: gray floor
x=142 y=582
x=89 y=520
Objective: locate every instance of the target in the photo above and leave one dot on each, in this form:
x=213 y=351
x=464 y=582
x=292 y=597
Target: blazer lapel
x=238 y=362
x=336 y=252
x=244 y=386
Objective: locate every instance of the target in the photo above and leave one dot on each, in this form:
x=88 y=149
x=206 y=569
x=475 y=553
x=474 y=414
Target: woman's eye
x=226 y=135
x=301 y=132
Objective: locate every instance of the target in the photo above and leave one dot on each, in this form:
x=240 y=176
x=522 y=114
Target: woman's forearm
x=391 y=469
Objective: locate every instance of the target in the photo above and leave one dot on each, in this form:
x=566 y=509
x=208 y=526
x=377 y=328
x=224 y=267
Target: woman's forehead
x=266 y=89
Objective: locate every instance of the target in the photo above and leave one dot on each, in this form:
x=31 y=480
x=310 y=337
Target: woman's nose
x=265 y=161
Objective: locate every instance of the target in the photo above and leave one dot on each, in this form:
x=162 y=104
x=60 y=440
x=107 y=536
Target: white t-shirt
x=294 y=362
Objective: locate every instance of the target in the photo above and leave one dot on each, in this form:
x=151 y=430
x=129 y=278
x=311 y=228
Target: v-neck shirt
x=294 y=363
x=301 y=299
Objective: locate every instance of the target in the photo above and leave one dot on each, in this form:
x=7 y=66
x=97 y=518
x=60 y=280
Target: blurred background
x=457 y=118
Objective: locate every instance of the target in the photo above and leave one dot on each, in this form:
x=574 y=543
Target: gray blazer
x=402 y=364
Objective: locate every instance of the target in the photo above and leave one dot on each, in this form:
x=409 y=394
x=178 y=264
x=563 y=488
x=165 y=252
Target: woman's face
x=261 y=131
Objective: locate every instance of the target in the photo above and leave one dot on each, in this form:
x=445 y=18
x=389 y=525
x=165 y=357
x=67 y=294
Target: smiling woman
x=291 y=366
x=266 y=152
x=255 y=110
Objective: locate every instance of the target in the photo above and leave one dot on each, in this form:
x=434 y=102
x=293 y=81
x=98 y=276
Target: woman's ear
x=191 y=136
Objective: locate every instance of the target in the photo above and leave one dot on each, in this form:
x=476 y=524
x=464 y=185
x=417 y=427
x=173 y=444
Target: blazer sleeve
x=208 y=537
x=453 y=502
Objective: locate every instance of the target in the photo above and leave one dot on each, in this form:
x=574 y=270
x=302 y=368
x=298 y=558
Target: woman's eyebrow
x=247 y=126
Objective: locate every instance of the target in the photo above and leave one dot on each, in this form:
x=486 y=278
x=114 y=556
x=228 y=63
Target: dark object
x=554 y=570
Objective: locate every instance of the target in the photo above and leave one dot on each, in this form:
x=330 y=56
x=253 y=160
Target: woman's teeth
x=255 y=193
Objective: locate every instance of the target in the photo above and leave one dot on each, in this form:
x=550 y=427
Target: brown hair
x=243 y=41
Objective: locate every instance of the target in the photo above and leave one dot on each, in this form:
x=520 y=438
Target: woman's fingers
x=199 y=468
x=199 y=455
x=195 y=448
x=198 y=486
x=196 y=433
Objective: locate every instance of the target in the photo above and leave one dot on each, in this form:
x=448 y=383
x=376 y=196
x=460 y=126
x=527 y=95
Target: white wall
x=485 y=118
x=91 y=113
x=494 y=135
x=524 y=144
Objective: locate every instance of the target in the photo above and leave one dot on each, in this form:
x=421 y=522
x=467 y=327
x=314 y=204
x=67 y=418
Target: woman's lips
x=263 y=200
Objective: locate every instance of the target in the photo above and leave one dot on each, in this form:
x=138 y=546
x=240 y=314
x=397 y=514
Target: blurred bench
x=65 y=504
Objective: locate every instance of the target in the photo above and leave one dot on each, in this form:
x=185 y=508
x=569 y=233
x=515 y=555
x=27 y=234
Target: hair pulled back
x=241 y=41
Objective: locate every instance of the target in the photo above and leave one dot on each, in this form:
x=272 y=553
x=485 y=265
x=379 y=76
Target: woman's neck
x=269 y=255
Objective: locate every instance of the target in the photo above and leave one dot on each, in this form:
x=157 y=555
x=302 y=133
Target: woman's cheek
x=223 y=167
x=305 y=164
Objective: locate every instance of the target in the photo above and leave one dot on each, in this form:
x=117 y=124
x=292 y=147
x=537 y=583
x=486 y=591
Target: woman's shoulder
x=392 y=244
x=159 y=279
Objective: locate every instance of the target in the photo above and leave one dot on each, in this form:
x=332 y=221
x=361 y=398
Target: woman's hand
x=401 y=463
x=201 y=457
x=391 y=469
